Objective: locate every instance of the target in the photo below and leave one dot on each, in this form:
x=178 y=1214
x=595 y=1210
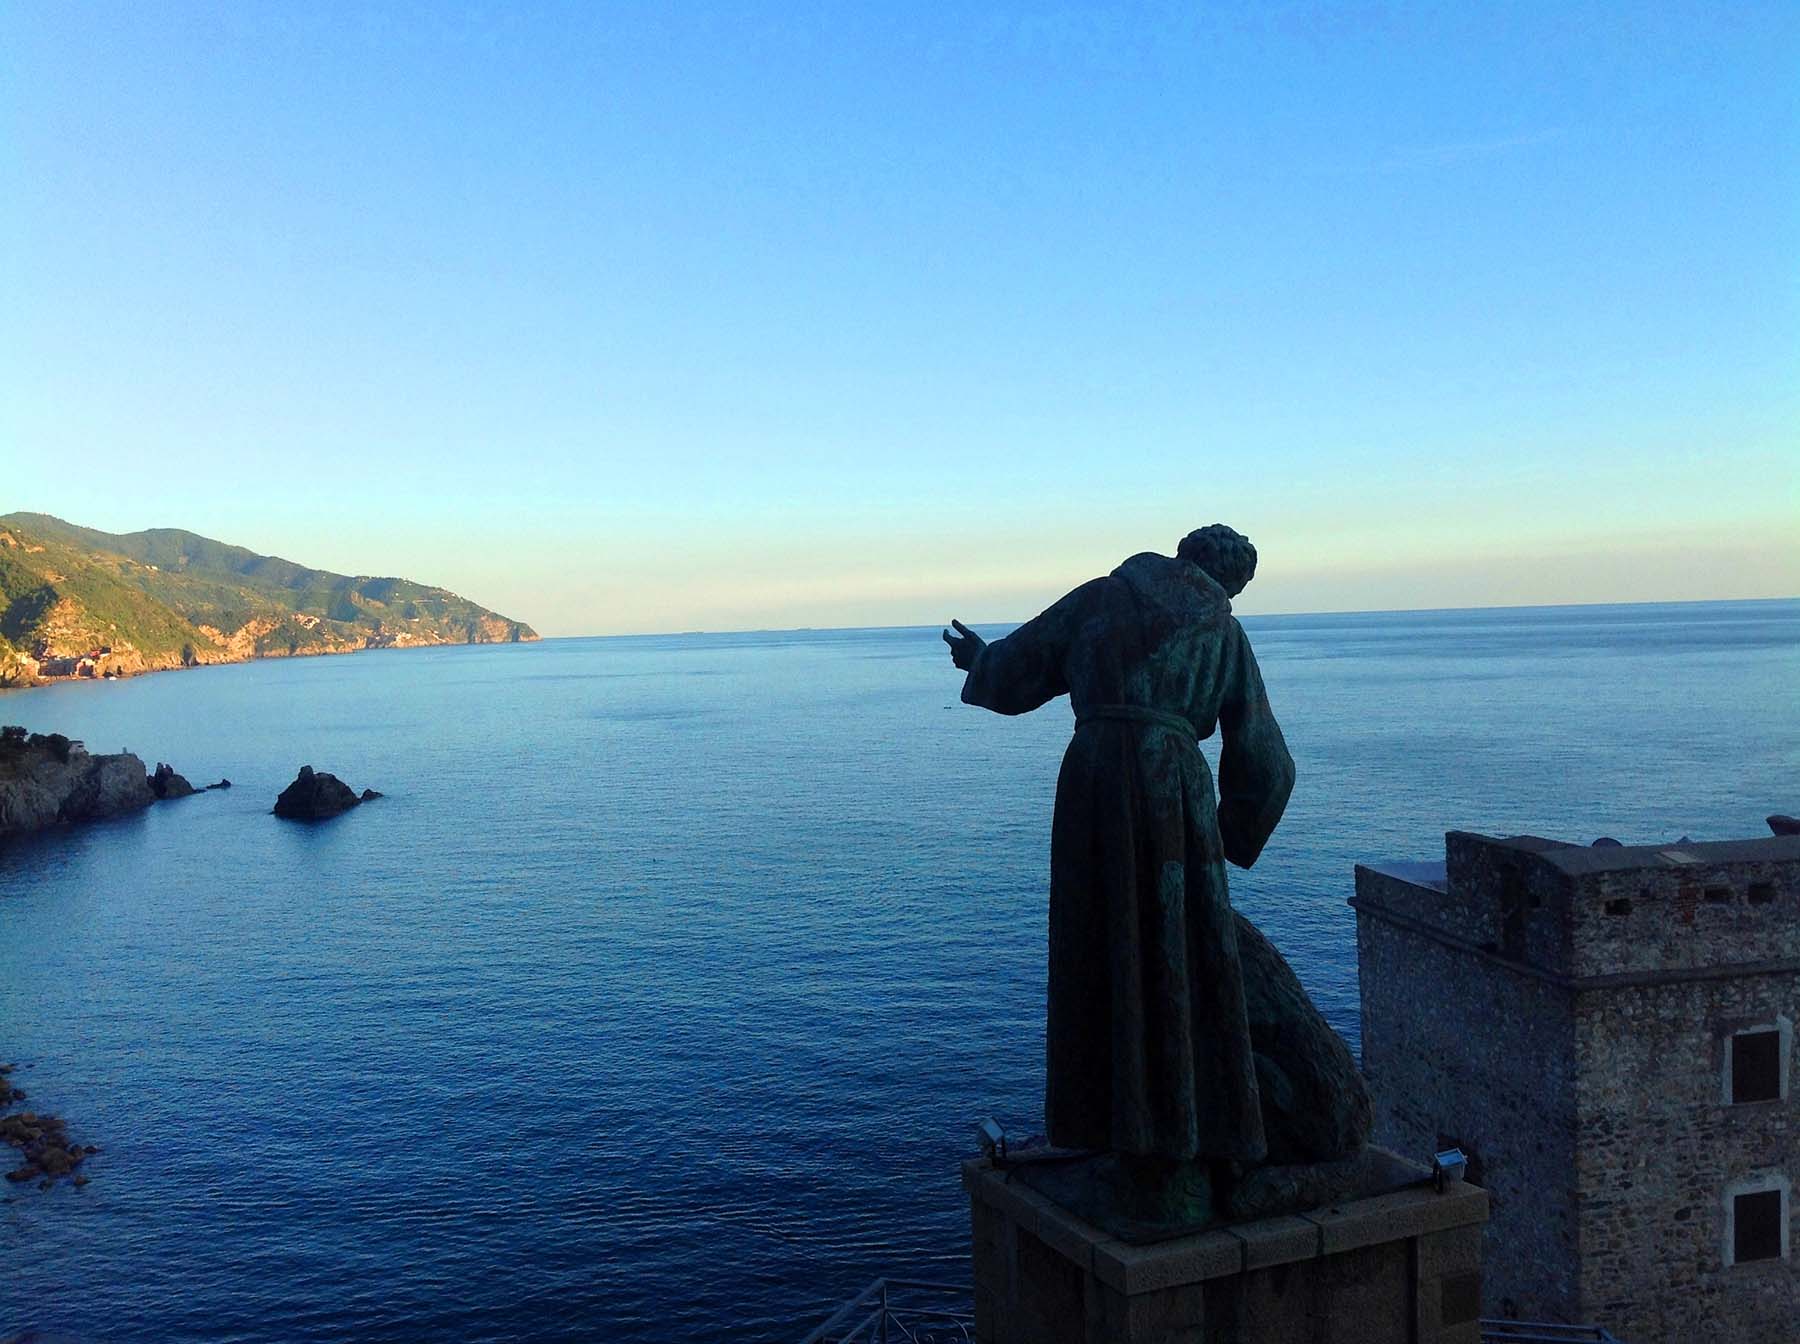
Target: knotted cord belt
x=1140 y=714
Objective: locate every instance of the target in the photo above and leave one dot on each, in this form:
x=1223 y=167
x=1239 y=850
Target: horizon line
x=1261 y=615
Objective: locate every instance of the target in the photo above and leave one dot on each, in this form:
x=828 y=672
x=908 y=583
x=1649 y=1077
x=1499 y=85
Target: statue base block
x=1401 y=1267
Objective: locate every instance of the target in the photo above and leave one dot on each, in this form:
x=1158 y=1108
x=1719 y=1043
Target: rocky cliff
x=45 y=780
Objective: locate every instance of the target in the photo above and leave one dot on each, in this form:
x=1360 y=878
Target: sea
x=659 y=997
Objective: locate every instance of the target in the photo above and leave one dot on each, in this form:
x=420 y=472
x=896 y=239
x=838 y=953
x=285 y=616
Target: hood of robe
x=1177 y=586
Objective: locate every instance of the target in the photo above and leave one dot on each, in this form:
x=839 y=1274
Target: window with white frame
x=1756 y=1219
x=1756 y=1063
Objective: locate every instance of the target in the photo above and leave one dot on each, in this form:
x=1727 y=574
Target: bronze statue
x=1178 y=1040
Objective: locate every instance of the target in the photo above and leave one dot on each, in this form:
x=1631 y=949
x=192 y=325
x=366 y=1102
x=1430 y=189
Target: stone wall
x=1564 y=1013
x=1660 y=1148
x=1459 y=1048
x=1402 y=1267
x=1698 y=907
x=1509 y=897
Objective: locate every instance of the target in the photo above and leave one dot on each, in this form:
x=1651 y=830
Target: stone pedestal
x=1397 y=1268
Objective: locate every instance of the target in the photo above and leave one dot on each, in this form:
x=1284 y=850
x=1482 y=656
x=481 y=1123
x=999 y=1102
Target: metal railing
x=1542 y=1332
x=902 y=1311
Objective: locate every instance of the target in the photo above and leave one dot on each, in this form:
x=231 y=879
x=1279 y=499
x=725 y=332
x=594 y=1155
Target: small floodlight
x=993 y=1140
x=1449 y=1165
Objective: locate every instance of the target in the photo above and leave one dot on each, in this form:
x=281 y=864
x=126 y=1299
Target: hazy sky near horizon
x=697 y=316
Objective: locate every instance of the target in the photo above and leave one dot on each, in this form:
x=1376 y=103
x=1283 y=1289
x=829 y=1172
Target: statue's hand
x=964 y=645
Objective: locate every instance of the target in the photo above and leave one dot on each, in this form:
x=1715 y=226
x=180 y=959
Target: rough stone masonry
x=1608 y=1032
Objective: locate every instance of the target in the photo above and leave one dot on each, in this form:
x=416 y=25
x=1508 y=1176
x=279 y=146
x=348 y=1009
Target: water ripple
x=661 y=991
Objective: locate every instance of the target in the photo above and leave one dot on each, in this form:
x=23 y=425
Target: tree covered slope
x=168 y=598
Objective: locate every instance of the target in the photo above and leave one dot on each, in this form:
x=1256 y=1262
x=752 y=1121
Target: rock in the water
x=1784 y=825
x=368 y=794
x=44 y=1147
x=222 y=784
x=54 y=1161
x=165 y=783
x=315 y=795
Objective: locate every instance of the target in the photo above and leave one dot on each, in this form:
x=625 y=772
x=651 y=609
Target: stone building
x=1608 y=1033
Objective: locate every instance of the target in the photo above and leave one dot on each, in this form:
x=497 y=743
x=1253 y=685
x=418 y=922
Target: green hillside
x=164 y=598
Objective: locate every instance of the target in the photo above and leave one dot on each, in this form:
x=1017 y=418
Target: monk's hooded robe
x=1148 y=1045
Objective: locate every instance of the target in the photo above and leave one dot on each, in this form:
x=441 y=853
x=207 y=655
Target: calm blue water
x=663 y=988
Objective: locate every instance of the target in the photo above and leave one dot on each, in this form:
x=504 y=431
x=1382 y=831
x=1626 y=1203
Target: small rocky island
x=315 y=795
x=45 y=1151
x=47 y=779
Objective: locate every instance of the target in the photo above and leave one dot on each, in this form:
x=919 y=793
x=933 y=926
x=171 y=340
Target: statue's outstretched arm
x=1017 y=674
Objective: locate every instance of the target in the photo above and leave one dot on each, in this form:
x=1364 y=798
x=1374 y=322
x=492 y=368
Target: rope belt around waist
x=1140 y=714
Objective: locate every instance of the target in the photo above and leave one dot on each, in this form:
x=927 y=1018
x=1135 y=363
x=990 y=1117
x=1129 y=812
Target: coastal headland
x=79 y=603
x=48 y=779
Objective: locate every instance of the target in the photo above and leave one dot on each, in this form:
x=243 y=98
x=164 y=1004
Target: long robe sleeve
x=1026 y=669
x=1256 y=773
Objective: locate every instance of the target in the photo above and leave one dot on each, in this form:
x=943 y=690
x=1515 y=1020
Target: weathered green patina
x=1178 y=1039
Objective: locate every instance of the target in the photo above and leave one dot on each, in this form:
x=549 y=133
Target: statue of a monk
x=1149 y=1038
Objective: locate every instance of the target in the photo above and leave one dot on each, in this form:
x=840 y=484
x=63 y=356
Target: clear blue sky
x=685 y=316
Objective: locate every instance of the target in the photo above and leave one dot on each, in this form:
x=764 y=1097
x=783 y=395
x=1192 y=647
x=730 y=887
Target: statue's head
x=1225 y=554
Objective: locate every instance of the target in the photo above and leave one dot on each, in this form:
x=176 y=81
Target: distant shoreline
x=87 y=605
x=40 y=682
x=534 y=638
